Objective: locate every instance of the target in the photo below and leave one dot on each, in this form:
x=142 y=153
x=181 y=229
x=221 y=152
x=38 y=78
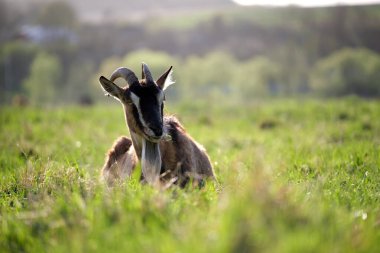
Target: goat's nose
x=157 y=130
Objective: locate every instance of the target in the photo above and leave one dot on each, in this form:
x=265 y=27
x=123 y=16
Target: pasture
x=293 y=176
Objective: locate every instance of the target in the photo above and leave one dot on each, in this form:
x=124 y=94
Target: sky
x=304 y=3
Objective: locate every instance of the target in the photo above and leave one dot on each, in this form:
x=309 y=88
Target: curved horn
x=126 y=74
x=146 y=73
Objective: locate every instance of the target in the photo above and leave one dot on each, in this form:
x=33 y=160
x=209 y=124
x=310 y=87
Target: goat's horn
x=126 y=74
x=146 y=73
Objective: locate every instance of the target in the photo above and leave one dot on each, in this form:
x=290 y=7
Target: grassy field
x=294 y=176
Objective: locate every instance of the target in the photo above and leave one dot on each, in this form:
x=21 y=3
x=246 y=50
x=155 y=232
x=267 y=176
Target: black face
x=144 y=97
x=148 y=109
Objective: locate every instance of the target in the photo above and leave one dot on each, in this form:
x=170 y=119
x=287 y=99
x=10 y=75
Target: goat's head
x=144 y=98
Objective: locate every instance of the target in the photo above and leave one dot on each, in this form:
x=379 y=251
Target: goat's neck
x=149 y=155
x=150 y=161
x=148 y=152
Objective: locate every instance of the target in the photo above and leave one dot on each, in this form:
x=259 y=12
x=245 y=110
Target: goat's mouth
x=151 y=136
x=154 y=139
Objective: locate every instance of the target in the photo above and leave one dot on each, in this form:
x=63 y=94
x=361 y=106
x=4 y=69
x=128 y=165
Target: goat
x=167 y=153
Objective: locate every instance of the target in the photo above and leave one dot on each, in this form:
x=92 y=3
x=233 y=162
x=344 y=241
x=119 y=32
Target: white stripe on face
x=136 y=102
x=135 y=99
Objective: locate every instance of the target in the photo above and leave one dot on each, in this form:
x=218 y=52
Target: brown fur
x=120 y=160
x=182 y=158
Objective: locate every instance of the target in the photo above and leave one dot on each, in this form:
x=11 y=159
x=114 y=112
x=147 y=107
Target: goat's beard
x=151 y=161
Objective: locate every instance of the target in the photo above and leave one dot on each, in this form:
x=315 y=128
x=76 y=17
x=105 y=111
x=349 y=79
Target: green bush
x=15 y=61
x=79 y=86
x=41 y=85
x=212 y=76
x=347 y=72
x=209 y=76
x=257 y=77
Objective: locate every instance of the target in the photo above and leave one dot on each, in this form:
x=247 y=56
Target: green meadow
x=293 y=176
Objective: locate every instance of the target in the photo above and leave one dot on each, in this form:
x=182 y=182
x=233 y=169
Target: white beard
x=150 y=161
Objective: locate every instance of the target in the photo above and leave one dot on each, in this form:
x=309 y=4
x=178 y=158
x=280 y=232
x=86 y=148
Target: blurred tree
x=293 y=67
x=15 y=60
x=108 y=66
x=157 y=61
x=105 y=69
x=258 y=77
x=41 y=86
x=78 y=88
x=212 y=73
x=57 y=14
x=348 y=71
x=9 y=17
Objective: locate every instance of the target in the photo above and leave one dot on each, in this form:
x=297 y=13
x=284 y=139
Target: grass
x=294 y=176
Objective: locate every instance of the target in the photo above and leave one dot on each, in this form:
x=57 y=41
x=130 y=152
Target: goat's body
x=166 y=152
x=120 y=161
x=181 y=157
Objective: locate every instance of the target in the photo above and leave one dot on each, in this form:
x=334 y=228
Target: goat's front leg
x=120 y=161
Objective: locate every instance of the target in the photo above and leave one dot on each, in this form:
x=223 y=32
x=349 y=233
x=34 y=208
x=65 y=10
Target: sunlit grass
x=294 y=176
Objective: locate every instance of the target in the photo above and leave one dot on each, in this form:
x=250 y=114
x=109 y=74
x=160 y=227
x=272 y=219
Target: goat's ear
x=166 y=79
x=111 y=88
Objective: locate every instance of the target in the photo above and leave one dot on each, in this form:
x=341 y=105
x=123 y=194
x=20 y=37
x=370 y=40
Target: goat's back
x=189 y=156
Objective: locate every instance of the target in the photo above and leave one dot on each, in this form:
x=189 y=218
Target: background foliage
x=348 y=72
x=223 y=50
